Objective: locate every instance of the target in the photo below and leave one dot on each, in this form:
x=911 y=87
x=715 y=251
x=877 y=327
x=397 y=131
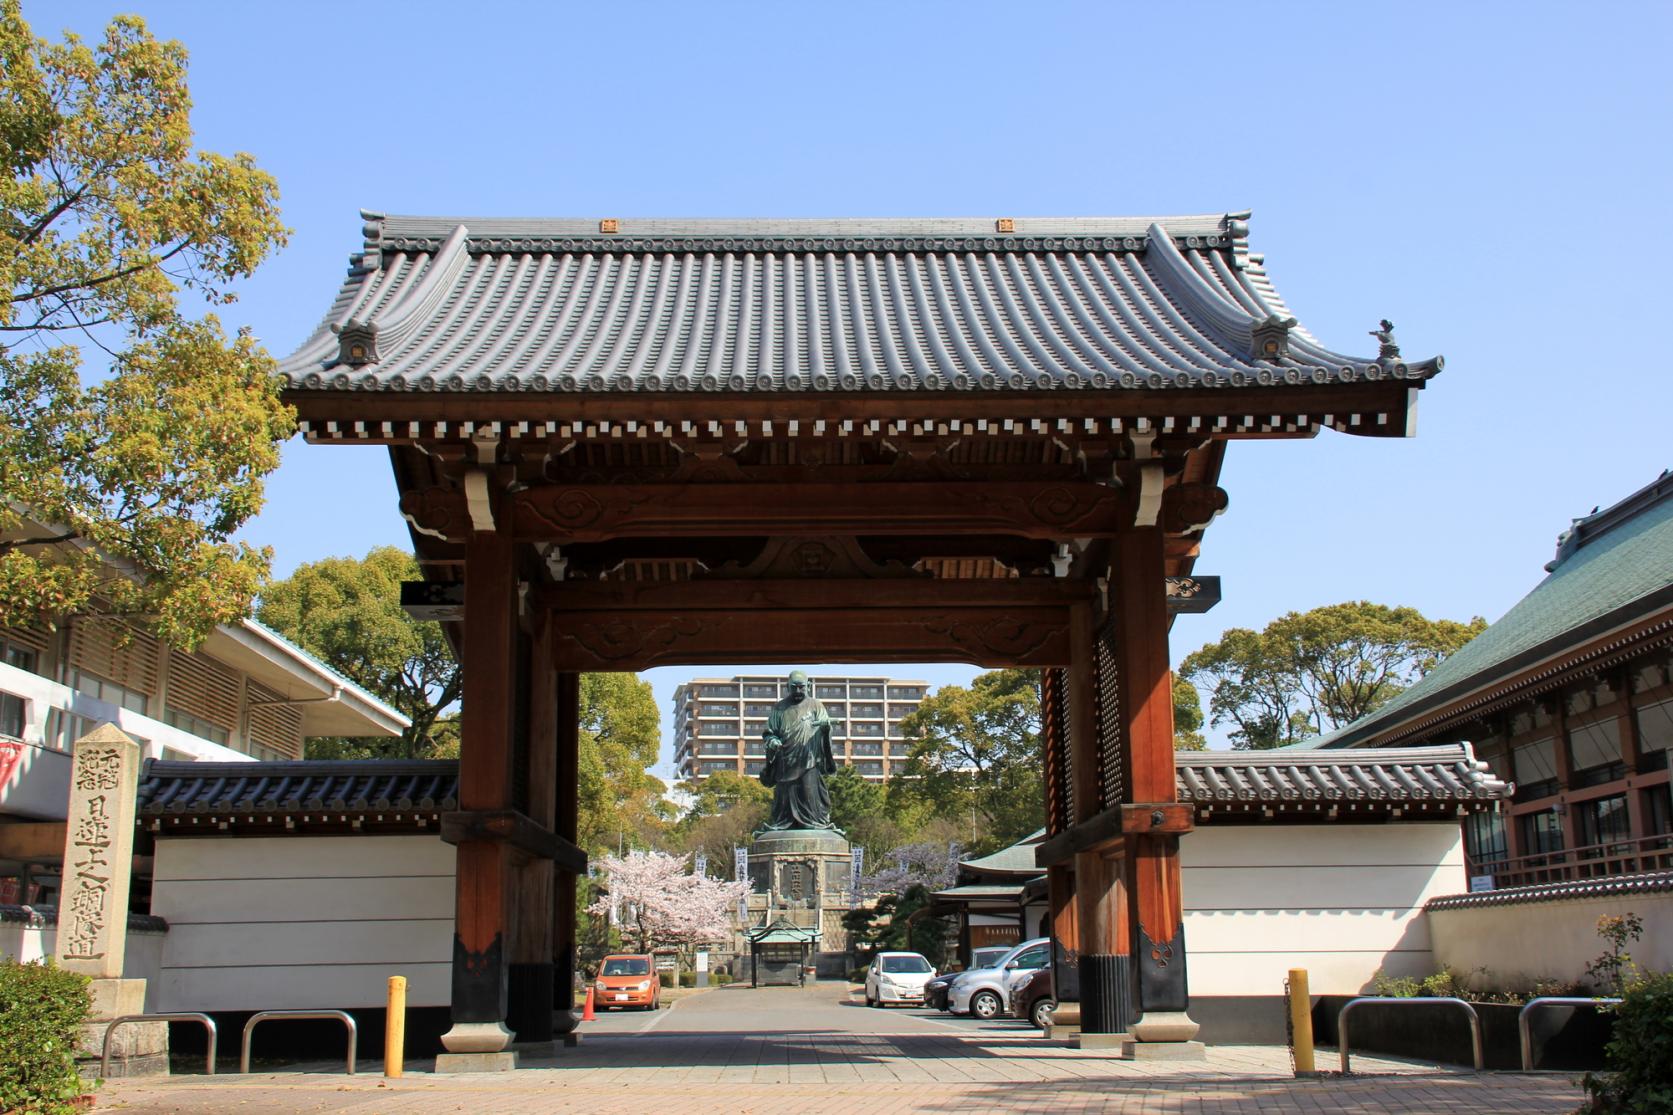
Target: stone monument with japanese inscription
x=93 y=905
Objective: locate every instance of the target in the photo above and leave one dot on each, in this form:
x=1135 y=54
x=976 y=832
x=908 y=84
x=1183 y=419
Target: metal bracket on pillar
x=1161 y=964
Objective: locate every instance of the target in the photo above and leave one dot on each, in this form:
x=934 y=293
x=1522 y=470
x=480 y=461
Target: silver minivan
x=980 y=992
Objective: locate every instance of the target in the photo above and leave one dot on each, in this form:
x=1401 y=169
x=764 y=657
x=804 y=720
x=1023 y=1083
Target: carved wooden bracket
x=1187 y=508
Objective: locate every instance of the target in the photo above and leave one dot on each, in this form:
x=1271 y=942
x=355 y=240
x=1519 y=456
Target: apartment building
x=718 y=722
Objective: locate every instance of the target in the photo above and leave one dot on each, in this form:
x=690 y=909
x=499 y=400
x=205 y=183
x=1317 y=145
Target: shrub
x=41 y=1010
x=721 y=977
x=688 y=979
x=1640 y=1056
x=666 y=979
x=1401 y=987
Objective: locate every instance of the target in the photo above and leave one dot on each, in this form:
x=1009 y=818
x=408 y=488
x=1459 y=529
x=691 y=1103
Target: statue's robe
x=799 y=757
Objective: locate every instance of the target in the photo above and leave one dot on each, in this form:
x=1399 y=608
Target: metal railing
x=1475 y=1022
x=1524 y=1027
x=263 y=1016
x=185 y=1016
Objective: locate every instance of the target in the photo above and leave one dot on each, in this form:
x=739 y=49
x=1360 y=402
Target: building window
x=837 y=710
x=718 y=728
x=718 y=691
x=899 y=750
x=11 y=716
x=1657 y=803
x=1595 y=752
x=754 y=766
x=108 y=691
x=1535 y=765
x=770 y=691
x=718 y=710
x=1541 y=832
x=905 y=693
x=1601 y=821
x=1655 y=735
x=865 y=749
x=755 y=728
x=865 y=729
x=868 y=712
x=720 y=747
x=1484 y=837
x=871 y=768
x=823 y=691
x=866 y=693
x=758 y=709
x=202 y=729
x=20 y=656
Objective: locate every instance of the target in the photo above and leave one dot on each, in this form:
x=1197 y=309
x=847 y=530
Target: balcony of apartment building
x=247 y=695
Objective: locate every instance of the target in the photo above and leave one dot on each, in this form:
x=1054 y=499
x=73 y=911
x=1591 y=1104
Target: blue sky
x=1494 y=177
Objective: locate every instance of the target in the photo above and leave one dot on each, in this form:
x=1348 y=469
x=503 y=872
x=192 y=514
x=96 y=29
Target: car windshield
x=627 y=966
x=905 y=964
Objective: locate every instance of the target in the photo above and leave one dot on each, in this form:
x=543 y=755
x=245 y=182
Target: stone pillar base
x=477 y=1037
x=137 y=1048
x=1116 y=1045
x=1168 y=1051
x=1065 y=1022
x=476 y=1062
x=1165 y=1026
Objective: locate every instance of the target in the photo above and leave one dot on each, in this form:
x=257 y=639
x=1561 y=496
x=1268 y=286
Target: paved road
x=788 y=1050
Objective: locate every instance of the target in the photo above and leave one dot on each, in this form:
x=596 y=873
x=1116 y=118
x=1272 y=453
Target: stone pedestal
x=1167 y=1036
x=803 y=874
x=476 y=1062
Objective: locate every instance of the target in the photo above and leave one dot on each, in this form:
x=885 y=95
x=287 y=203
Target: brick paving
x=789 y=1051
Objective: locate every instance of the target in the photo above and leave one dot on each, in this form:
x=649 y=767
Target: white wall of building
x=294 y=922
x=1341 y=901
x=1516 y=944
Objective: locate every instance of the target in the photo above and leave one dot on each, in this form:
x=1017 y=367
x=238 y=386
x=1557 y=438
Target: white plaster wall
x=1519 y=944
x=296 y=922
x=1341 y=901
x=142 y=959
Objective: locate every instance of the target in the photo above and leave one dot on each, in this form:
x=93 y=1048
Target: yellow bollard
x=1301 y=1021
x=395 y=1027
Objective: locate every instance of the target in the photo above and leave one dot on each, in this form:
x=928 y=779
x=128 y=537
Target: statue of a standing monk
x=799 y=757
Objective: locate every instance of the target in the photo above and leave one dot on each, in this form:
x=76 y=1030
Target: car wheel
x=1042 y=1013
x=984 y=1005
x=870 y=1002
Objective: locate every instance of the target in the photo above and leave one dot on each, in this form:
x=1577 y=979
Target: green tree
x=900 y=923
x=121 y=490
x=726 y=809
x=1310 y=672
x=854 y=800
x=976 y=757
x=347 y=612
x=1187 y=716
x=621 y=802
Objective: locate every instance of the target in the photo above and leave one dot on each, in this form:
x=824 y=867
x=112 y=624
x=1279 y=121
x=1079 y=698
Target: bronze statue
x=799 y=757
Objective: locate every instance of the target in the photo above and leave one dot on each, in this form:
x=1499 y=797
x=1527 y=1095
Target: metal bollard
x=1301 y=1021
x=395 y=1027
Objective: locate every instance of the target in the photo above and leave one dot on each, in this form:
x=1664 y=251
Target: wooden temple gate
x=632 y=444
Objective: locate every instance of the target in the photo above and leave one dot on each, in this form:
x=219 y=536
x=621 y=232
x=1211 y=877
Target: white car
x=897 y=977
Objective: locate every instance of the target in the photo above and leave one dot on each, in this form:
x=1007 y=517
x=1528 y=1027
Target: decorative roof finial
x=1387 y=350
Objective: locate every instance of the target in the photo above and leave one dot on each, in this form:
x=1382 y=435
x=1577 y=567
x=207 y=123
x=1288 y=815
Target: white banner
x=702 y=865
x=856 y=868
x=740 y=872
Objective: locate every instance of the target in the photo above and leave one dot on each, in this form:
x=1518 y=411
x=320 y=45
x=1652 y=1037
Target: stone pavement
x=788 y=1051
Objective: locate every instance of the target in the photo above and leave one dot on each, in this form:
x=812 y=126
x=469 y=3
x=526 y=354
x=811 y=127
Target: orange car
x=627 y=980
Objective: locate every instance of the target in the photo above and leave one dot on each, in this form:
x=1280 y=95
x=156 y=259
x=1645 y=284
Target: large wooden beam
x=609 y=640
x=1108 y=830
x=596 y=512
x=922 y=594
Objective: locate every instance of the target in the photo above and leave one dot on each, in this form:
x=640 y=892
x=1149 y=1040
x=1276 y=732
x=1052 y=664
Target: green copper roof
x=1018 y=859
x=1612 y=567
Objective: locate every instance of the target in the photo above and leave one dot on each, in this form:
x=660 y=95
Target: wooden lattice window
x=116 y=654
x=273 y=725
x=201 y=688
x=1054 y=737
x=1106 y=712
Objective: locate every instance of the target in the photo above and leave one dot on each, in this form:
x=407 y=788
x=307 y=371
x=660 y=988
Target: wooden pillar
x=486 y=869
x=531 y=959
x=1100 y=890
x=567 y=824
x=1138 y=603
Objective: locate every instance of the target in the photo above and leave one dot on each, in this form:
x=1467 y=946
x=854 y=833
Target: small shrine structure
x=633 y=443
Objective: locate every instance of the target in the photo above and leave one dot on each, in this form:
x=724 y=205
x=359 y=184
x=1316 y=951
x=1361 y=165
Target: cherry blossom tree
x=663 y=903
x=931 y=865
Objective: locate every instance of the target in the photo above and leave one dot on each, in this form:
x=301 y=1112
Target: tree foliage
x=1310 y=672
x=976 y=756
x=931 y=864
x=900 y=923
x=1187 y=716
x=120 y=492
x=662 y=903
x=347 y=612
x=726 y=809
x=620 y=800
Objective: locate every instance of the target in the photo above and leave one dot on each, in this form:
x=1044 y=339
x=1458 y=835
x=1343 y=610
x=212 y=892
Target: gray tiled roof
x=1418 y=778
x=469 y=304
x=227 y=790
x=1654 y=882
x=1613 y=567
